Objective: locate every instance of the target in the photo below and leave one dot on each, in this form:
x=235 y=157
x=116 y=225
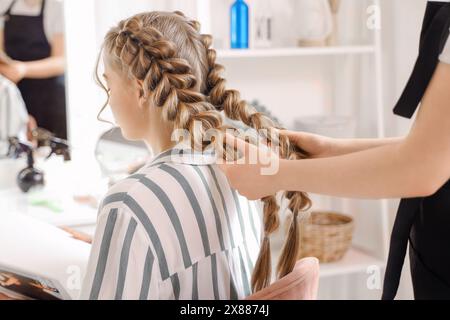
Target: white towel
x=13 y=113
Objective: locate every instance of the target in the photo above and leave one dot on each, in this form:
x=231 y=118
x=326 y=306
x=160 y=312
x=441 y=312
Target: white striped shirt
x=174 y=230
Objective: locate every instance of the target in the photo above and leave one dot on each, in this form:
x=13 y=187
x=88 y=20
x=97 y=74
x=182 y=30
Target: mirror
x=32 y=69
x=118 y=157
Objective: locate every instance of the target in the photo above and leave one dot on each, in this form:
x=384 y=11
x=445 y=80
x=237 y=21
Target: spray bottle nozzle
x=17 y=148
x=31 y=177
x=59 y=147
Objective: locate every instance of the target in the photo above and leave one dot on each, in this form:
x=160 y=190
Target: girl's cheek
x=113 y=103
x=115 y=99
x=121 y=108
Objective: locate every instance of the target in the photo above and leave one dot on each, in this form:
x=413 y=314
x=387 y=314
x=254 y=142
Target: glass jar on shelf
x=314 y=22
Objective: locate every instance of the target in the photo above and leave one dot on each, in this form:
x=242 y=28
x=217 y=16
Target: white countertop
x=82 y=176
x=72 y=214
x=64 y=180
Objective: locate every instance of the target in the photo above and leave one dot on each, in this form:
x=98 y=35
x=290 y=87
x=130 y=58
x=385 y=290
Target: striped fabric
x=174 y=230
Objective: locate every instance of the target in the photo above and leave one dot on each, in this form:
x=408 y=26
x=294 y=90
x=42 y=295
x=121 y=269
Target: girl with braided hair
x=176 y=229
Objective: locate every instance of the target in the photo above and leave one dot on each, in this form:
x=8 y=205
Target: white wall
x=84 y=98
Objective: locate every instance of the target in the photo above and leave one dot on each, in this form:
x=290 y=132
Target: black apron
x=423 y=222
x=45 y=99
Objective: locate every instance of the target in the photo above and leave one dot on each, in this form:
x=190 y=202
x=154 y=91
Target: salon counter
x=55 y=203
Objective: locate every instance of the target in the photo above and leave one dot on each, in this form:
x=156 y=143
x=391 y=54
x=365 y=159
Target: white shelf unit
x=293 y=52
x=355 y=261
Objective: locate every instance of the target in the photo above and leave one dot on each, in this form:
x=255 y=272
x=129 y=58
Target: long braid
x=236 y=109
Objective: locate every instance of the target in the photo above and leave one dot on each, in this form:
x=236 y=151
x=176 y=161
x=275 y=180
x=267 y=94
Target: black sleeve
x=434 y=36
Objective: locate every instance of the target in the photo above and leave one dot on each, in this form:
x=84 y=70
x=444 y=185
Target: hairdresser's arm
x=416 y=166
x=39 y=69
x=5 y=297
x=318 y=146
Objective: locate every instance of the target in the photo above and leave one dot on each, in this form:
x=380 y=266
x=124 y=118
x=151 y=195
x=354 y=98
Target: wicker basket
x=326 y=236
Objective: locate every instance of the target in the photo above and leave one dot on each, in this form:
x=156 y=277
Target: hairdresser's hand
x=315 y=145
x=15 y=71
x=256 y=175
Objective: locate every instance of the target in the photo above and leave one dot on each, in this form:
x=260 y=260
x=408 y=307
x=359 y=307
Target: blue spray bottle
x=239 y=25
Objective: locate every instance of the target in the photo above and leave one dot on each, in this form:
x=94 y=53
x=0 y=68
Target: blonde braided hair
x=178 y=71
